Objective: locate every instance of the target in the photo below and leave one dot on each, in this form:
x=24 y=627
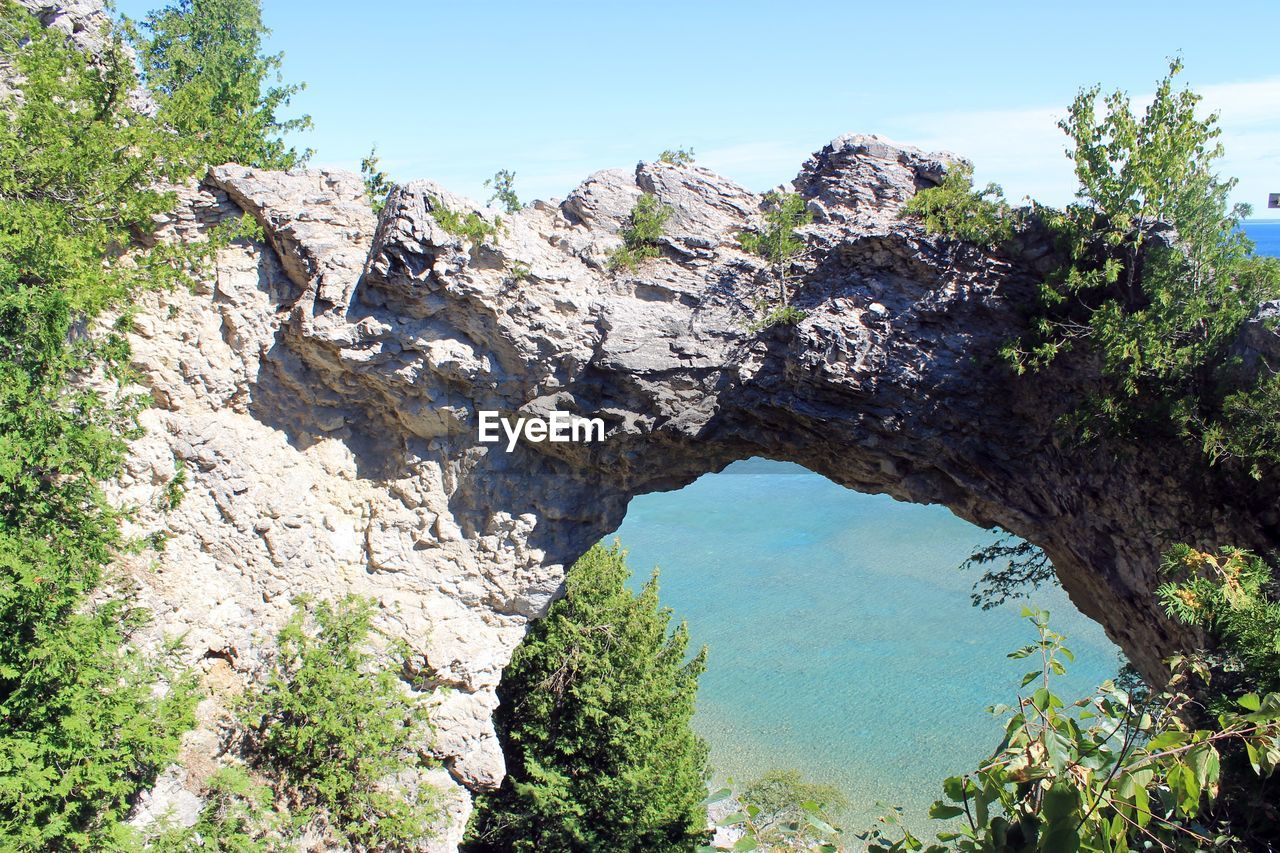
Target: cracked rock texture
x=322 y=390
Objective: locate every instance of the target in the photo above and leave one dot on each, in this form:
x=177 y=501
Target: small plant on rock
x=503 y=184
x=779 y=244
x=376 y=185
x=471 y=227
x=678 y=157
x=640 y=236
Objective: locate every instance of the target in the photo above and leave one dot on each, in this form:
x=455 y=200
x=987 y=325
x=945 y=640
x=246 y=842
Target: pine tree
x=86 y=720
x=204 y=64
x=595 y=724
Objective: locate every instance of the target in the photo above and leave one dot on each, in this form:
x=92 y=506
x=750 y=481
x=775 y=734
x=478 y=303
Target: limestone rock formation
x=322 y=391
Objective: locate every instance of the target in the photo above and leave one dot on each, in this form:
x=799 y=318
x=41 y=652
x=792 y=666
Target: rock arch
x=323 y=388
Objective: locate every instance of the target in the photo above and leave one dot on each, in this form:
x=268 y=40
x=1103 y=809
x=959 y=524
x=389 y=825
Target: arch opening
x=842 y=640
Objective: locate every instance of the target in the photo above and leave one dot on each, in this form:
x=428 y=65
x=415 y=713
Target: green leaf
x=1167 y=740
x=942 y=811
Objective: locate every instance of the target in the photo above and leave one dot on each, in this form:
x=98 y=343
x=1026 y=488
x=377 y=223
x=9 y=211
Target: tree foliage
x=1158 y=278
x=504 y=192
x=376 y=183
x=203 y=61
x=646 y=225
x=594 y=720
x=1016 y=568
x=677 y=156
x=956 y=209
x=332 y=724
x=1231 y=593
x=88 y=720
x=779 y=243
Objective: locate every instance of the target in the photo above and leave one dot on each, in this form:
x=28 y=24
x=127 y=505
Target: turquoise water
x=841 y=636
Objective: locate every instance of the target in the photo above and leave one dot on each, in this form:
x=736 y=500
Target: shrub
x=1228 y=593
x=956 y=209
x=376 y=184
x=237 y=817
x=645 y=227
x=779 y=244
x=678 y=157
x=780 y=315
x=503 y=183
x=594 y=721
x=471 y=227
x=334 y=727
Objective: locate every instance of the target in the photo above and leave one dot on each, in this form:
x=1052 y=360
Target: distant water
x=1265 y=233
x=842 y=641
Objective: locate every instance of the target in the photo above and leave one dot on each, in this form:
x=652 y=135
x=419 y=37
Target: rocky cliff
x=322 y=389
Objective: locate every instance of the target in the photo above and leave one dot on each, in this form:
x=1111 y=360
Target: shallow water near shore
x=842 y=639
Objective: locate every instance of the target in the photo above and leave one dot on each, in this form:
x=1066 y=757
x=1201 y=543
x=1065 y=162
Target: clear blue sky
x=554 y=91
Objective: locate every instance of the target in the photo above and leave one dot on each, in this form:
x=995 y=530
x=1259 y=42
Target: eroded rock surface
x=322 y=390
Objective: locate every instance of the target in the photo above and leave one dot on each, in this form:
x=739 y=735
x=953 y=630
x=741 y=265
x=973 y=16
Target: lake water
x=842 y=641
x=841 y=636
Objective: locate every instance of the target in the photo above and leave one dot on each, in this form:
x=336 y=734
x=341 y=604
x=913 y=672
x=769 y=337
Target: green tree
x=677 y=157
x=203 y=62
x=503 y=183
x=1158 y=278
x=780 y=244
x=331 y=724
x=956 y=209
x=88 y=721
x=595 y=723
x=376 y=184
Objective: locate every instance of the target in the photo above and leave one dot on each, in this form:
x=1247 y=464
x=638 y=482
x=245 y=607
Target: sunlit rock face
x=323 y=389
